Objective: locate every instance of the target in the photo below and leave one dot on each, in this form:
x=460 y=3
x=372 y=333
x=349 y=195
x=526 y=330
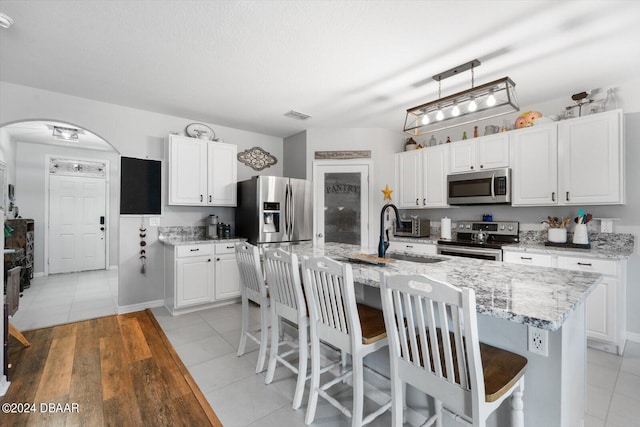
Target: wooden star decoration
x=387 y=192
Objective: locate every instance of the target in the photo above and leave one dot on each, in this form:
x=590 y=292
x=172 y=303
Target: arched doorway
x=31 y=149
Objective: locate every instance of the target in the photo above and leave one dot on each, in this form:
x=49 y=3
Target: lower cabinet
x=199 y=275
x=227 y=276
x=417 y=248
x=606 y=308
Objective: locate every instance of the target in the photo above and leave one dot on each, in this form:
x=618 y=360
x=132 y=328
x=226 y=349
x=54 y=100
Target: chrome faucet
x=382 y=246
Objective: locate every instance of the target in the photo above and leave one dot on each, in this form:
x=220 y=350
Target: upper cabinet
x=590 y=159
x=201 y=173
x=421 y=177
x=487 y=152
x=573 y=162
x=534 y=157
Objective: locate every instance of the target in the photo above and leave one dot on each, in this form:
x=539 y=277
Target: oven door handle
x=463 y=250
x=493 y=190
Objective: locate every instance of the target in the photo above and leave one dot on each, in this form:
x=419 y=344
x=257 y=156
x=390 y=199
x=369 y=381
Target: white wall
x=134 y=133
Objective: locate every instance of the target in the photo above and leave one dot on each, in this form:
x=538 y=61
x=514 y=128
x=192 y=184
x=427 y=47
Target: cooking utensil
x=565 y=221
x=588 y=218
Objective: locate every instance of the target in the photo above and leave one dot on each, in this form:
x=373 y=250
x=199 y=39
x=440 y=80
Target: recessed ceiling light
x=5 y=21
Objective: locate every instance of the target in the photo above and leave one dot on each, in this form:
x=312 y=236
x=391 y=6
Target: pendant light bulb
x=455 y=111
x=472 y=105
x=439 y=115
x=491 y=100
x=425 y=119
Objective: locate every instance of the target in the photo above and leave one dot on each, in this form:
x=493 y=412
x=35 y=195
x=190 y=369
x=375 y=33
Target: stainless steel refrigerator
x=273 y=209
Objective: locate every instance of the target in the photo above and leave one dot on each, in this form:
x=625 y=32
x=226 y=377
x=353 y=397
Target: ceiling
x=243 y=64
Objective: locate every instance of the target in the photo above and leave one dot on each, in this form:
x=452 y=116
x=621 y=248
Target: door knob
x=320 y=235
x=101 y=228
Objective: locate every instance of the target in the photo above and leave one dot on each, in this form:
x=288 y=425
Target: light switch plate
x=154 y=221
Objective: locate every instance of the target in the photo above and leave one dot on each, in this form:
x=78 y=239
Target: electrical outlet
x=538 y=341
x=154 y=221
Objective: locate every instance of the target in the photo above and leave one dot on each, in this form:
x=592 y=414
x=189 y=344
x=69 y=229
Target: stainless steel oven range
x=481 y=240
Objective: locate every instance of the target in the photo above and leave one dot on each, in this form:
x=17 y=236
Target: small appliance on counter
x=413 y=227
x=212 y=227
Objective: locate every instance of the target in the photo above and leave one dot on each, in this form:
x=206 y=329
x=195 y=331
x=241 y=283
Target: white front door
x=341 y=202
x=77 y=206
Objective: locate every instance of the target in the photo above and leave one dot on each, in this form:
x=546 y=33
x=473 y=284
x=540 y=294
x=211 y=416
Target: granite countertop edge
x=554 y=250
x=179 y=241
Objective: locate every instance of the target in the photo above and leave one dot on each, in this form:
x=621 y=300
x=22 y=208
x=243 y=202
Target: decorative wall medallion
x=340 y=155
x=257 y=158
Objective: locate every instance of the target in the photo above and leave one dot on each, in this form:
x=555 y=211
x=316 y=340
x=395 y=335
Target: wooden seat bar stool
x=336 y=319
x=434 y=346
x=253 y=289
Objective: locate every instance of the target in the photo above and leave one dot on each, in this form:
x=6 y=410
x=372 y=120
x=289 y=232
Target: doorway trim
x=349 y=162
x=107 y=196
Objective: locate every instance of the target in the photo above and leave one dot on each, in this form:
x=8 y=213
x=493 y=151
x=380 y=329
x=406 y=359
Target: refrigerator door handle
x=286 y=210
x=292 y=211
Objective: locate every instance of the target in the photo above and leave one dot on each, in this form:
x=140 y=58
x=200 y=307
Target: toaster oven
x=412 y=228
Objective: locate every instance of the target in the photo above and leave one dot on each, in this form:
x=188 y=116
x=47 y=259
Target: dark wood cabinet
x=22 y=238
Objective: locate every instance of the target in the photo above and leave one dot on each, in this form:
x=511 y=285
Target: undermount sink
x=415 y=258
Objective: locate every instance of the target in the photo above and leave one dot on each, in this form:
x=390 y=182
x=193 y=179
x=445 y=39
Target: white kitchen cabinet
x=421 y=177
x=605 y=306
x=534 y=161
x=526 y=258
x=199 y=276
x=416 y=248
x=227 y=275
x=590 y=155
x=572 y=162
x=408 y=176
x=487 y=152
x=201 y=173
x=435 y=161
x=194 y=275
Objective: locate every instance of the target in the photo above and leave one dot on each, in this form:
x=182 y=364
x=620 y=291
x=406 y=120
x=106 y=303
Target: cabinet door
x=463 y=156
x=409 y=179
x=534 y=162
x=493 y=151
x=227 y=277
x=194 y=280
x=435 y=163
x=600 y=311
x=589 y=152
x=222 y=174
x=187 y=171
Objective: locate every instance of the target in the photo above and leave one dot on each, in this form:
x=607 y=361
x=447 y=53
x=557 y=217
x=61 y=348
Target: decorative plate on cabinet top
x=201 y=131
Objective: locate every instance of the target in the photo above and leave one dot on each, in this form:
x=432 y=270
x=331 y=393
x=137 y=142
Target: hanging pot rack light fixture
x=476 y=103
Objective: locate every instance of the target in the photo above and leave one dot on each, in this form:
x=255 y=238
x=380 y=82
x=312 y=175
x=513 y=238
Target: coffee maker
x=212 y=227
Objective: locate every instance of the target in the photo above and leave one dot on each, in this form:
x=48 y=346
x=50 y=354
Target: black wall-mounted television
x=140 y=186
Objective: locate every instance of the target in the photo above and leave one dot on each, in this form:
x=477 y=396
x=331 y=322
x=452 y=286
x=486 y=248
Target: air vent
x=297 y=115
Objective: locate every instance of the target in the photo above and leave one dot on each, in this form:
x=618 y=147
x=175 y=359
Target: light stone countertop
x=178 y=241
x=609 y=252
x=537 y=296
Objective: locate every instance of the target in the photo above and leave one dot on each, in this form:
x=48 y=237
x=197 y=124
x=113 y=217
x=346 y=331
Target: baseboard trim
x=39 y=274
x=123 y=309
x=112 y=267
x=4 y=385
x=632 y=336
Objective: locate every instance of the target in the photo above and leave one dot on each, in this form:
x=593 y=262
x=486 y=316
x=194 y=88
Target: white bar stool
x=254 y=289
x=336 y=319
x=434 y=346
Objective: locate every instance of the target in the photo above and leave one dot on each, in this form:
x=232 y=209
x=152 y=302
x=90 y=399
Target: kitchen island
x=510 y=298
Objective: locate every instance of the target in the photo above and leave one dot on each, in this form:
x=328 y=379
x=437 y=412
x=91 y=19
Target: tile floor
x=207 y=342
x=62 y=298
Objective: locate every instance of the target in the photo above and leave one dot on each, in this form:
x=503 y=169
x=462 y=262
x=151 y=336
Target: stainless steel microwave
x=480 y=188
x=412 y=228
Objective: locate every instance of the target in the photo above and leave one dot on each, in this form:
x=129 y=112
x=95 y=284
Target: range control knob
x=511 y=228
x=468 y=226
x=502 y=227
x=461 y=226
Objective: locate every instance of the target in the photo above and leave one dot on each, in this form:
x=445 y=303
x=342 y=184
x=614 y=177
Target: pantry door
x=77 y=226
x=341 y=201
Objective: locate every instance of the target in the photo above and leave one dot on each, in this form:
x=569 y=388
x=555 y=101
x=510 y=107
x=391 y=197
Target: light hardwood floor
x=118 y=370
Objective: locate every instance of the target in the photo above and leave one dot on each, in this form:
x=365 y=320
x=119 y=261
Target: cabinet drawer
x=226 y=248
x=193 y=250
x=418 y=248
x=525 y=258
x=588 y=264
